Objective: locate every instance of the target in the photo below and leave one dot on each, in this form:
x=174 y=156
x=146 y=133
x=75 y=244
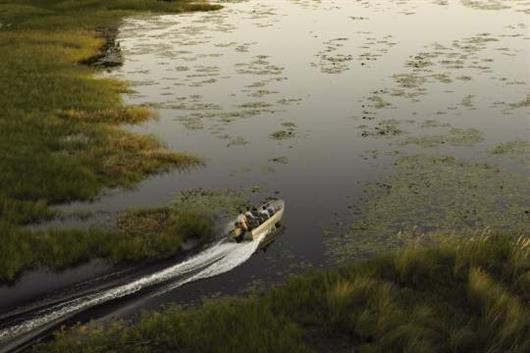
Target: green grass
x=140 y=235
x=456 y=296
x=59 y=139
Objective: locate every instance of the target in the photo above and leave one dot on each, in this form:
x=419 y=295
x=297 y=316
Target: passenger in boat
x=253 y=221
x=264 y=212
x=257 y=215
x=242 y=220
x=249 y=214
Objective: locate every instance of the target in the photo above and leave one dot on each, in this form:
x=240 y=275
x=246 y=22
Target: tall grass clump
x=505 y=321
x=456 y=296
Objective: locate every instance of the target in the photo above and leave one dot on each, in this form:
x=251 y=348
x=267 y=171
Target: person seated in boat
x=252 y=220
x=264 y=212
x=243 y=221
x=249 y=214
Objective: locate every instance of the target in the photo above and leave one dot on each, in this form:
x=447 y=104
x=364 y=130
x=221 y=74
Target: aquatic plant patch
x=517 y=150
x=434 y=193
x=455 y=137
x=139 y=234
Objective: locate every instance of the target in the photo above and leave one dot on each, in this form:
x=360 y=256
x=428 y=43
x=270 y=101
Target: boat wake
x=219 y=258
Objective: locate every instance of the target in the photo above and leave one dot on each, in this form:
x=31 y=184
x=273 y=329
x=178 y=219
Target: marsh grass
x=140 y=235
x=125 y=115
x=453 y=296
x=58 y=139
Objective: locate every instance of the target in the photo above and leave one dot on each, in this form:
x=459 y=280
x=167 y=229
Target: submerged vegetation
x=517 y=150
x=456 y=296
x=58 y=135
x=435 y=193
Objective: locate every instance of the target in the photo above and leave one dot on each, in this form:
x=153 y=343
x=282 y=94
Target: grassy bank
x=59 y=133
x=141 y=235
x=138 y=234
x=455 y=296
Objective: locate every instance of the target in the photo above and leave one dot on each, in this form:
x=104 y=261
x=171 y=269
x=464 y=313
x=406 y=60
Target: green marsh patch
x=435 y=193
x=139 y=234
x=485 y=4
x=455 y=137
x=524 y=103
x=517 y=150
x=389 y=127
x=284 y=134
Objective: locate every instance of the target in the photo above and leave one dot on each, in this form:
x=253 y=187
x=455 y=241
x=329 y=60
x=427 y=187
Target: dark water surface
x=290 y=96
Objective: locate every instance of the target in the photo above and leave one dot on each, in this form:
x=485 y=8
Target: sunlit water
x=285 y=95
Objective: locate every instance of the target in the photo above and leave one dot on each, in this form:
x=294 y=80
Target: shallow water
x=292 y=96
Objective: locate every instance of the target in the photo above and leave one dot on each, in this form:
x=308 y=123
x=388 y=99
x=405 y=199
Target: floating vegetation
x=217 y=202
x=525 y=103
x=289 y=125
x=198 y=120
x=388 y=127
x=282 y=134
x=485 y=4
x=280 y=160
x=289 y=101
x=330 y=61
x=467 y=101
x=455 y=137
x=464 y=78
x=378 y=102
x=261 y=93
x=255 y=105
x=442 y=78
x=517 y=150
x=287 y=133
x=420 y=61
x=235 y=141
x=260 y=67
x=433 y=124
x=334 y=60
x=410 y=80
x=435 y=193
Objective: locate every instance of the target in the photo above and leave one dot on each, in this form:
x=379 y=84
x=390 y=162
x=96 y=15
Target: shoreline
x=69 y=121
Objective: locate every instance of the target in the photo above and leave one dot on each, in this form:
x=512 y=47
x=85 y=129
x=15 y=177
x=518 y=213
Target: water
x=225 y=83
x=219 y=258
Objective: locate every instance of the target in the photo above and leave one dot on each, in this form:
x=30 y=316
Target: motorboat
x=260 y=225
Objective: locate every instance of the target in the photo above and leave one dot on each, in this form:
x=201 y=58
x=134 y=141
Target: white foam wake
x=221 y=257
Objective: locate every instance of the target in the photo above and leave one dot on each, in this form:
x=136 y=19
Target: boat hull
x=265 y=228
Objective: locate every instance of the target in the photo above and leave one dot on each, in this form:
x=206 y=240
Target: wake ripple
x=220 y=258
